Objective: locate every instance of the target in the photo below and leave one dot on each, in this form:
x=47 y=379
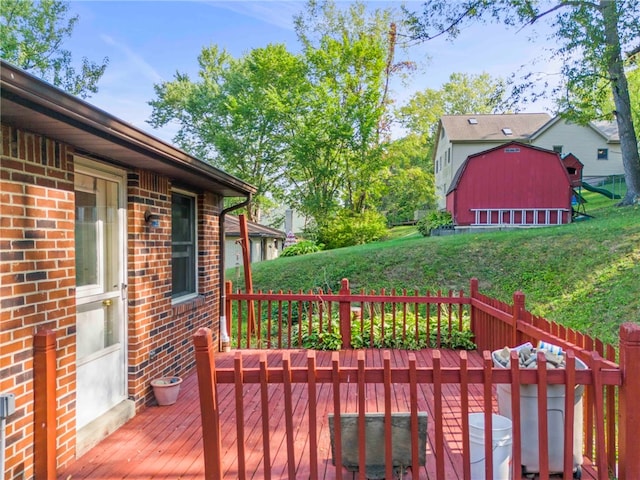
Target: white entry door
x=100 y=290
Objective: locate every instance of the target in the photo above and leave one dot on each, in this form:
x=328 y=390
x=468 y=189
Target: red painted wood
x=248 y=279
x=44 y=407
x=530 y=178
x=144 y=449
x=516 y=413
x=437 y=401
x=601 y=455
x=238 y=375
x=313 y=415
x=209 y=412
x=629 y=413
x=543 y=428
x=337 y=430
x=569 y=413
x=264 y=400
x=488 y=414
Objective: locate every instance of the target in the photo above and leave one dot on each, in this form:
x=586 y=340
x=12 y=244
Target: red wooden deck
x=166 y=442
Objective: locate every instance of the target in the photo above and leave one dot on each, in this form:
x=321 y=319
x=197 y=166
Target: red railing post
x=44 y=410
x=345 y=315
x=518 y=308
x=473 y=292
x=225 y=344
x=629 y=410
x=210 y=414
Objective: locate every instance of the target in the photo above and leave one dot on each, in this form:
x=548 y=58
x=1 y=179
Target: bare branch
x=560 y=5
x=455 y=22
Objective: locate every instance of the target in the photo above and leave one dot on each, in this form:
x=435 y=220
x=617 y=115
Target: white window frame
x=605 y=154
x=194 y=294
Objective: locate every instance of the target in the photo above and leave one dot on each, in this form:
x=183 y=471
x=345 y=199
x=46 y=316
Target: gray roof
x=608 y=129
x=232 y=229
x=35 y=106
x=490 y=127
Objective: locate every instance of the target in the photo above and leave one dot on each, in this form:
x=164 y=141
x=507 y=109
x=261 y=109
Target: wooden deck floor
x=166 y=442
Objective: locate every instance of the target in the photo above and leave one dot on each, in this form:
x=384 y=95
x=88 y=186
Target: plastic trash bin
x=530 y=455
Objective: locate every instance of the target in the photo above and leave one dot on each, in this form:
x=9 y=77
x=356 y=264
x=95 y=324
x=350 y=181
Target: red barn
x=513 y=184
x=574 y=169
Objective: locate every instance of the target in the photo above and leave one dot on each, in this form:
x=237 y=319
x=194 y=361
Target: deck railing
x=284 y=319
x=609 y=429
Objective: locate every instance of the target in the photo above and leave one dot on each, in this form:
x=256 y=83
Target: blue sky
x=148 y=41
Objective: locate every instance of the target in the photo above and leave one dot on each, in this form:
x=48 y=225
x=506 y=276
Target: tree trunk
x=622 y=101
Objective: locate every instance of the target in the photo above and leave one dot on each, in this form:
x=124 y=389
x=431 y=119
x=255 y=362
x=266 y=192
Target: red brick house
x=111 y=238
x=514 y=184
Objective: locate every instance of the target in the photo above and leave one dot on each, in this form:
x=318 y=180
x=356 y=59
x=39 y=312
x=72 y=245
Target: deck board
x=165 y=442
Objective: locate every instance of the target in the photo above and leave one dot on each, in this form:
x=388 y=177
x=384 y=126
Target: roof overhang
x=30 y=104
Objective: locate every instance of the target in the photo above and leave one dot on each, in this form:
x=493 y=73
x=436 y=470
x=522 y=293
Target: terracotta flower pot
x=166 y=389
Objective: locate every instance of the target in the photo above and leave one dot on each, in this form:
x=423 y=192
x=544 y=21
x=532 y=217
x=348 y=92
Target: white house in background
x=266 y=242
x=596 y=145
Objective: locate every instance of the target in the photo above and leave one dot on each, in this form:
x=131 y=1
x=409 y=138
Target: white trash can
x=530 y=455
x=501 y=433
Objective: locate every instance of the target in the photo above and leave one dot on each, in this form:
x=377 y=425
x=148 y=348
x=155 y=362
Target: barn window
x=603 y=154
x=557 y=148
x=507 y=131
x=511 y=150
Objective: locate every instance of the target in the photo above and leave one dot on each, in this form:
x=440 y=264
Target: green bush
x=329 y=338
x=349 y=228
x=434 y=219
x=301 y=248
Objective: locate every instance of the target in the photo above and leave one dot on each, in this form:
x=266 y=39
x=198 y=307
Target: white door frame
x=113 y=294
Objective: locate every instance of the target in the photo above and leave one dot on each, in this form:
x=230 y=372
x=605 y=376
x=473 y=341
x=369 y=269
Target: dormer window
x=472 y=121
x=507 y=131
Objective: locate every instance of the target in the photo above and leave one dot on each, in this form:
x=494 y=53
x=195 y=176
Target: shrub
x=434 y=219
x=301 y=248
x=349 y=228
x=329 y=338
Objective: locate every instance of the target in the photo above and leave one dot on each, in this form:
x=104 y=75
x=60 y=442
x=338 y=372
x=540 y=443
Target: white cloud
x=277 y=13
x=139 y=65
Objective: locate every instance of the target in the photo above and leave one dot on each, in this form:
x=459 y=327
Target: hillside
x=585 y=275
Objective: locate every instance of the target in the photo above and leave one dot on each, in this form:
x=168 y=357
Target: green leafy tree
x=407 y=181
x=350 y=57
x=31 y=37
x=462 y=94
x=239 y=115
x=590 y=36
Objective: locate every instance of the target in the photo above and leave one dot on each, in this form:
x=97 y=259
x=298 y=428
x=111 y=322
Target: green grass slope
x=585 y=275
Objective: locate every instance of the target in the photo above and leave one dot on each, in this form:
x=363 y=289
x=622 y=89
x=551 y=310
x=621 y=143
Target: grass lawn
x=585 y=275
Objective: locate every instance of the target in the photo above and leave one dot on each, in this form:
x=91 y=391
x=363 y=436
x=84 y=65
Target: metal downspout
x=224 y=335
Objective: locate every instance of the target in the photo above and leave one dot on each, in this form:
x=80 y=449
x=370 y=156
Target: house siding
x=37 y=241
x=584 y=143
x=581 y=140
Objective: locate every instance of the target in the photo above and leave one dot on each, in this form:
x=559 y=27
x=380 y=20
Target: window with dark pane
x=183 y=245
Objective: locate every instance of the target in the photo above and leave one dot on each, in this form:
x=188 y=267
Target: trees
x=407 y=179
x=590 y=38
x=31 y=38
x=239 y=116
x=349 y=54
x=305 y=129
x=462 y=94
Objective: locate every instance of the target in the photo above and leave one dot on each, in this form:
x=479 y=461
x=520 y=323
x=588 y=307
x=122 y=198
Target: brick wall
x=37 y=278
x=160 y=334
x=37 y=282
